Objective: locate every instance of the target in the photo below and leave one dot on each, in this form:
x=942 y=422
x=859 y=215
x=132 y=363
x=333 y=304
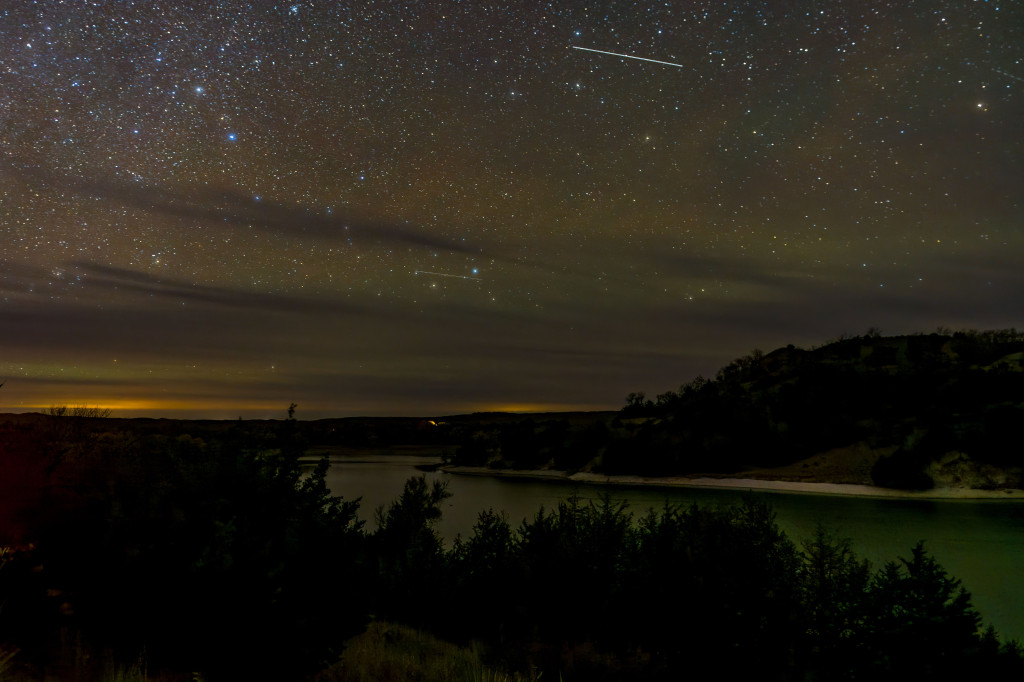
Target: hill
x=908 y=412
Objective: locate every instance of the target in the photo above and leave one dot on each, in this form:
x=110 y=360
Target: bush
x=203 y=552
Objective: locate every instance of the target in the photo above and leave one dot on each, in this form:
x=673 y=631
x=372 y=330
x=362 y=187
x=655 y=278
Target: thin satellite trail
x=445 y=274
x=627 y=56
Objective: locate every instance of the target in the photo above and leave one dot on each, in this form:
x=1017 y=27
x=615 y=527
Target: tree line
x=225 y=553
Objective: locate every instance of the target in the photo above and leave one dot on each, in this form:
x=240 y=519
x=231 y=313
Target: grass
x=132 y=674
x=75 y=661
x=7 y=655
x=387 y=652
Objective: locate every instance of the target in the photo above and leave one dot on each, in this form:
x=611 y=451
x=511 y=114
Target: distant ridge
x=908 y=412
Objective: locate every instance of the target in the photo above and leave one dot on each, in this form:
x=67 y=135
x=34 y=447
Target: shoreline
x=744 y=484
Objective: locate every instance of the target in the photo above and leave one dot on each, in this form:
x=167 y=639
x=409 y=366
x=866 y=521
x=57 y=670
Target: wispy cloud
x=109 y=279
x=234 y=209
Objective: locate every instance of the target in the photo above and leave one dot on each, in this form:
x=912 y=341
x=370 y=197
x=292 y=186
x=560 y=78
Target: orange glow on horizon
x=129 y=405
x=260 y=407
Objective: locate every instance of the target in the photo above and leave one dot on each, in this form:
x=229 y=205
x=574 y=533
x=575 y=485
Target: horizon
x=392 y=210
x=255 y=414
x=183 y=410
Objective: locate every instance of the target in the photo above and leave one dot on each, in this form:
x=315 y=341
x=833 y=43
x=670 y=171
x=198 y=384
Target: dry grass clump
x=387 y=652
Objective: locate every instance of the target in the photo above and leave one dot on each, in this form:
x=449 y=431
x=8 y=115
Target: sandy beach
x=760 y=485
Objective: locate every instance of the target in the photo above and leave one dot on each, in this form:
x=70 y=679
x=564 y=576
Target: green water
x=982 y=543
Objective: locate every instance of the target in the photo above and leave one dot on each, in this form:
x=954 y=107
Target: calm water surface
x=980 y=542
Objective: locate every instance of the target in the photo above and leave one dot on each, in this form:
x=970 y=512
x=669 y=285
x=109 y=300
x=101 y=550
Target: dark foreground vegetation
x=934 y=409
x=133 y=554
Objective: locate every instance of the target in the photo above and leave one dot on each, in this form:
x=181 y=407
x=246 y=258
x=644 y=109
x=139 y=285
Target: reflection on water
x=981 y=542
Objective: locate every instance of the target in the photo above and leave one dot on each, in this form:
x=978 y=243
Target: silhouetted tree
x=484 y=580
x=833 y=583
x=920 y=622
x=171 y=542
x=408 y=551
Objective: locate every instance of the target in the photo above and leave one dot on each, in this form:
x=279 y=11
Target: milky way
x=218 y=209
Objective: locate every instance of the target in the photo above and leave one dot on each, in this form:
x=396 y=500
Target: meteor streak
x=627 y=56
x=445 y=274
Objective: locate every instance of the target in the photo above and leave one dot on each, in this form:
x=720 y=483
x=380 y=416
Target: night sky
x=218 y=209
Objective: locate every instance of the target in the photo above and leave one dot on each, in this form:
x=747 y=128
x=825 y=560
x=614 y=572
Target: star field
x=416 y=208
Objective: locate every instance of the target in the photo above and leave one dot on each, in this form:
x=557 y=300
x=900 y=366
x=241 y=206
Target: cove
x=980 y=542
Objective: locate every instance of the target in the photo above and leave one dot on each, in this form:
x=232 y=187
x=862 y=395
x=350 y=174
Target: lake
x=980 y=542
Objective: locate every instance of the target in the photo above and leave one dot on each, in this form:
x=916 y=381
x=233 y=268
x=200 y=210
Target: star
x=283 y=171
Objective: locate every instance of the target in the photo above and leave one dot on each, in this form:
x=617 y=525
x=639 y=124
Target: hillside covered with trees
x=928 y=409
